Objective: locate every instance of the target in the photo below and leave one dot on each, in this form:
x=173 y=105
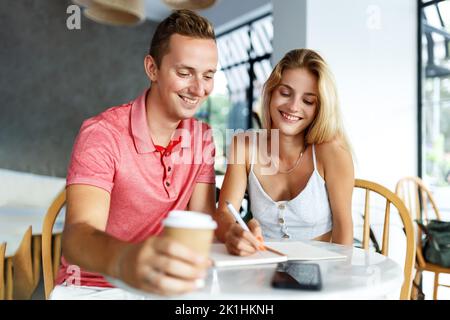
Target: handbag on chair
x=436 y=246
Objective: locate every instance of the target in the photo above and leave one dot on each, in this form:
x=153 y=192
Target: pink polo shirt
x=114 y=151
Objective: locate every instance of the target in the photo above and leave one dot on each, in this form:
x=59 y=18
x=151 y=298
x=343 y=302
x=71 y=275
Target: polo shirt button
x=286 y=236
x=168 y=183
x=169 y=169
x=281 y=206
x=281 y=220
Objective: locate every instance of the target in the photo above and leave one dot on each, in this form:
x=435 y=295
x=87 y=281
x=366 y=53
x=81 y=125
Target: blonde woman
x=299 y=171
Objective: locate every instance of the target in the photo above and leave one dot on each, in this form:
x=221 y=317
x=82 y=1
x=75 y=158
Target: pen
x=241 y=222
x=237 y=216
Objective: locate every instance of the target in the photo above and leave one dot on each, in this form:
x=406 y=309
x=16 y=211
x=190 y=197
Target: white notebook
x=294 y=250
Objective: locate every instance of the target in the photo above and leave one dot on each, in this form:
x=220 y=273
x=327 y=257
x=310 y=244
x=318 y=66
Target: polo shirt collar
x=140 y=131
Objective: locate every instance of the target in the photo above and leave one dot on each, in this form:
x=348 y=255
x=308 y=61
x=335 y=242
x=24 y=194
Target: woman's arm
x=339 y=178
x=233 y=188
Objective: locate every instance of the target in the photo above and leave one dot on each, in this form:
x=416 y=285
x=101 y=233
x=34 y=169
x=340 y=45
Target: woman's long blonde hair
x=327 y=123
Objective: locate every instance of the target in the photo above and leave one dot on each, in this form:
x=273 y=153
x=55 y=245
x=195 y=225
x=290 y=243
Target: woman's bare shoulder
x=330 y=151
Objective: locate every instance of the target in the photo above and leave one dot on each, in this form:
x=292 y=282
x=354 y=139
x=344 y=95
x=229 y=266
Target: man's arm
x=203 y=198
x=155 y=265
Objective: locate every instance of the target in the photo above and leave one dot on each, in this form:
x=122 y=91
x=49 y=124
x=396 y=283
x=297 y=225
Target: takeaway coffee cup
x=193 y=229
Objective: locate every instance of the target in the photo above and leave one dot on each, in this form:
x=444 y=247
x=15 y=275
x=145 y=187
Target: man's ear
x=151 y=69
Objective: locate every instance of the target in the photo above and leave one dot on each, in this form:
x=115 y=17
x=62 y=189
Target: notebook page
x=296 y=250
x=221 y=258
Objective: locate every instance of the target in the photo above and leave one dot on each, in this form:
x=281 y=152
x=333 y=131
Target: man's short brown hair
x=183 y=22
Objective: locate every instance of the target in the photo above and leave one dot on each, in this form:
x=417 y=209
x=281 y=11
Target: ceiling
x=222 y=13
x=156 y=10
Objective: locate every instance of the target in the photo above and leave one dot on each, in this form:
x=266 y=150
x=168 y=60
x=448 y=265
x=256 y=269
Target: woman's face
x=294 y=101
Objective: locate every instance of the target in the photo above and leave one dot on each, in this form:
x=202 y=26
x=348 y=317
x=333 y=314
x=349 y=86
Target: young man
x=134 y=163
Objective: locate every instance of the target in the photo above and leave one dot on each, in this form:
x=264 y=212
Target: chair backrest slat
x=2 y=270
x=9 y=278
x=424 y=205
x=387 y=217
x=415 y=197
x=56 y=253
x=366 y=232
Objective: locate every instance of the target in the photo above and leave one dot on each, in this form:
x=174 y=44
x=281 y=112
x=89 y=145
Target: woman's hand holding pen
x=243 y=243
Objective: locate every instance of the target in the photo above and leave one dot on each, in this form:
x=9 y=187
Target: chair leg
x=9 y=279
x=417 y=282
x=36 y=251
x=436 y=285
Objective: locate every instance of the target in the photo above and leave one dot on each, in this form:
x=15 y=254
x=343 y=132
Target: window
x=434 y=98
x=244 y=66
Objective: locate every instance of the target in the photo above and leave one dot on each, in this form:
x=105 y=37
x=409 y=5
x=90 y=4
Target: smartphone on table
x=294 y=275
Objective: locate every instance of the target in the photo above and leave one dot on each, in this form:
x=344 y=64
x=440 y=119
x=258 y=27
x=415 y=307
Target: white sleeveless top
x=305 y=217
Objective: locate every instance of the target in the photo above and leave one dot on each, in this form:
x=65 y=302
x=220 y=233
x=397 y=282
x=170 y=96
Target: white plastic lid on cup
x=189 y=220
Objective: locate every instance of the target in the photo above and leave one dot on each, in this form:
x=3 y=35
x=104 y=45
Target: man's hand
x=161 y=266
x=243 y=243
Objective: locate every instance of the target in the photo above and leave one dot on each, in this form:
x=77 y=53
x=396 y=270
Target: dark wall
x=52 y=78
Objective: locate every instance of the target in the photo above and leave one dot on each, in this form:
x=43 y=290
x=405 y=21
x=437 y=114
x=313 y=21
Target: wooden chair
x=418 y=199
x=393 y=199
x=51 y=244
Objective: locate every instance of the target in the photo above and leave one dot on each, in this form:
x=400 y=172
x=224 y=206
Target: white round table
x=362 y=275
